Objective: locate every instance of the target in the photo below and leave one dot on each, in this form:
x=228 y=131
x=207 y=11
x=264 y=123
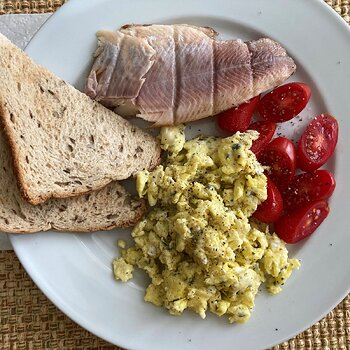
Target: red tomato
x=280 y=156
x=238 y=118
x=309 y=187
x=266 y=131
x=284 y=102
x=271 y=209
x=302 y=222
x=317 y=143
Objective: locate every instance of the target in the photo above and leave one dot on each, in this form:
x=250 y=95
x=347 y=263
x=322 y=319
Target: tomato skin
x=238 y=118
x=318 y=142
x=308 y=187
x=271 y=209
x=266 y=131
x=284 y=102
x=280 y=156
x=301 y=223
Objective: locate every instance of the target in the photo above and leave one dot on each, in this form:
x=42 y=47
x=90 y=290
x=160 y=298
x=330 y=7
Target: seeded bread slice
x=104 y=209
x=63 y=143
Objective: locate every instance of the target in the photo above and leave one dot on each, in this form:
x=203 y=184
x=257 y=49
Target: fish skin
x=268 y=58
x=234 y=76
x=163 y=73
x=113 y=60
x=190 y=75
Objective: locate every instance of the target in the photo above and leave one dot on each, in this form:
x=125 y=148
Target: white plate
x=74 y=270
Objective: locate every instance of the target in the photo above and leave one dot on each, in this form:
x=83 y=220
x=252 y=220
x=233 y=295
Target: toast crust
x=106 y=209
x=22 y=184
x=62 y=113
x=139 y=213
x=11 y=143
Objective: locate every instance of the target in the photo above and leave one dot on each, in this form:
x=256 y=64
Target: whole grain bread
x=63 y=143
x=104 y=209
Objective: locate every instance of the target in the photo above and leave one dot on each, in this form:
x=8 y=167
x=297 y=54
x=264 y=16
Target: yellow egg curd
x=198 y=244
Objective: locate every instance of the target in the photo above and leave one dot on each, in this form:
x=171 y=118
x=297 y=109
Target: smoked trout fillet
x=172 y=74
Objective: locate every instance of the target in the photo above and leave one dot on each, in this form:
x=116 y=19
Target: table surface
x=28 y=320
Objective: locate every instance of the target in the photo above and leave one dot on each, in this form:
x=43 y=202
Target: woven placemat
x=342 y=7
x=28 y=320
x=7 y=7
x=41 y=6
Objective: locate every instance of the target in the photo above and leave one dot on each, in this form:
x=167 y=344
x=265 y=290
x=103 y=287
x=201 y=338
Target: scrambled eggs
x=198 y=244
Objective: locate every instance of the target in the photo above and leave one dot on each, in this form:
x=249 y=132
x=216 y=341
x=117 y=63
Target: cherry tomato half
x=302 y=222
x=266 y=131
x=284 y=102
x=271 y=209
x=317 y=143
x=280 y=156
x=238 y=118
x=308 y=187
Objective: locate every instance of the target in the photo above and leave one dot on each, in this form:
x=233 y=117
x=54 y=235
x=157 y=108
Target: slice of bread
x=63 y=143
x=104 y=209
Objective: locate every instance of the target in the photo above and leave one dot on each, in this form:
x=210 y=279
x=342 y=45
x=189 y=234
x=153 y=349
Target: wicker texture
x=28 y=320
x=342 y=7
x=41 y=6
x=7 y=6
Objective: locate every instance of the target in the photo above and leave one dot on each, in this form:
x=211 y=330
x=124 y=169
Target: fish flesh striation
x=172 y=74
